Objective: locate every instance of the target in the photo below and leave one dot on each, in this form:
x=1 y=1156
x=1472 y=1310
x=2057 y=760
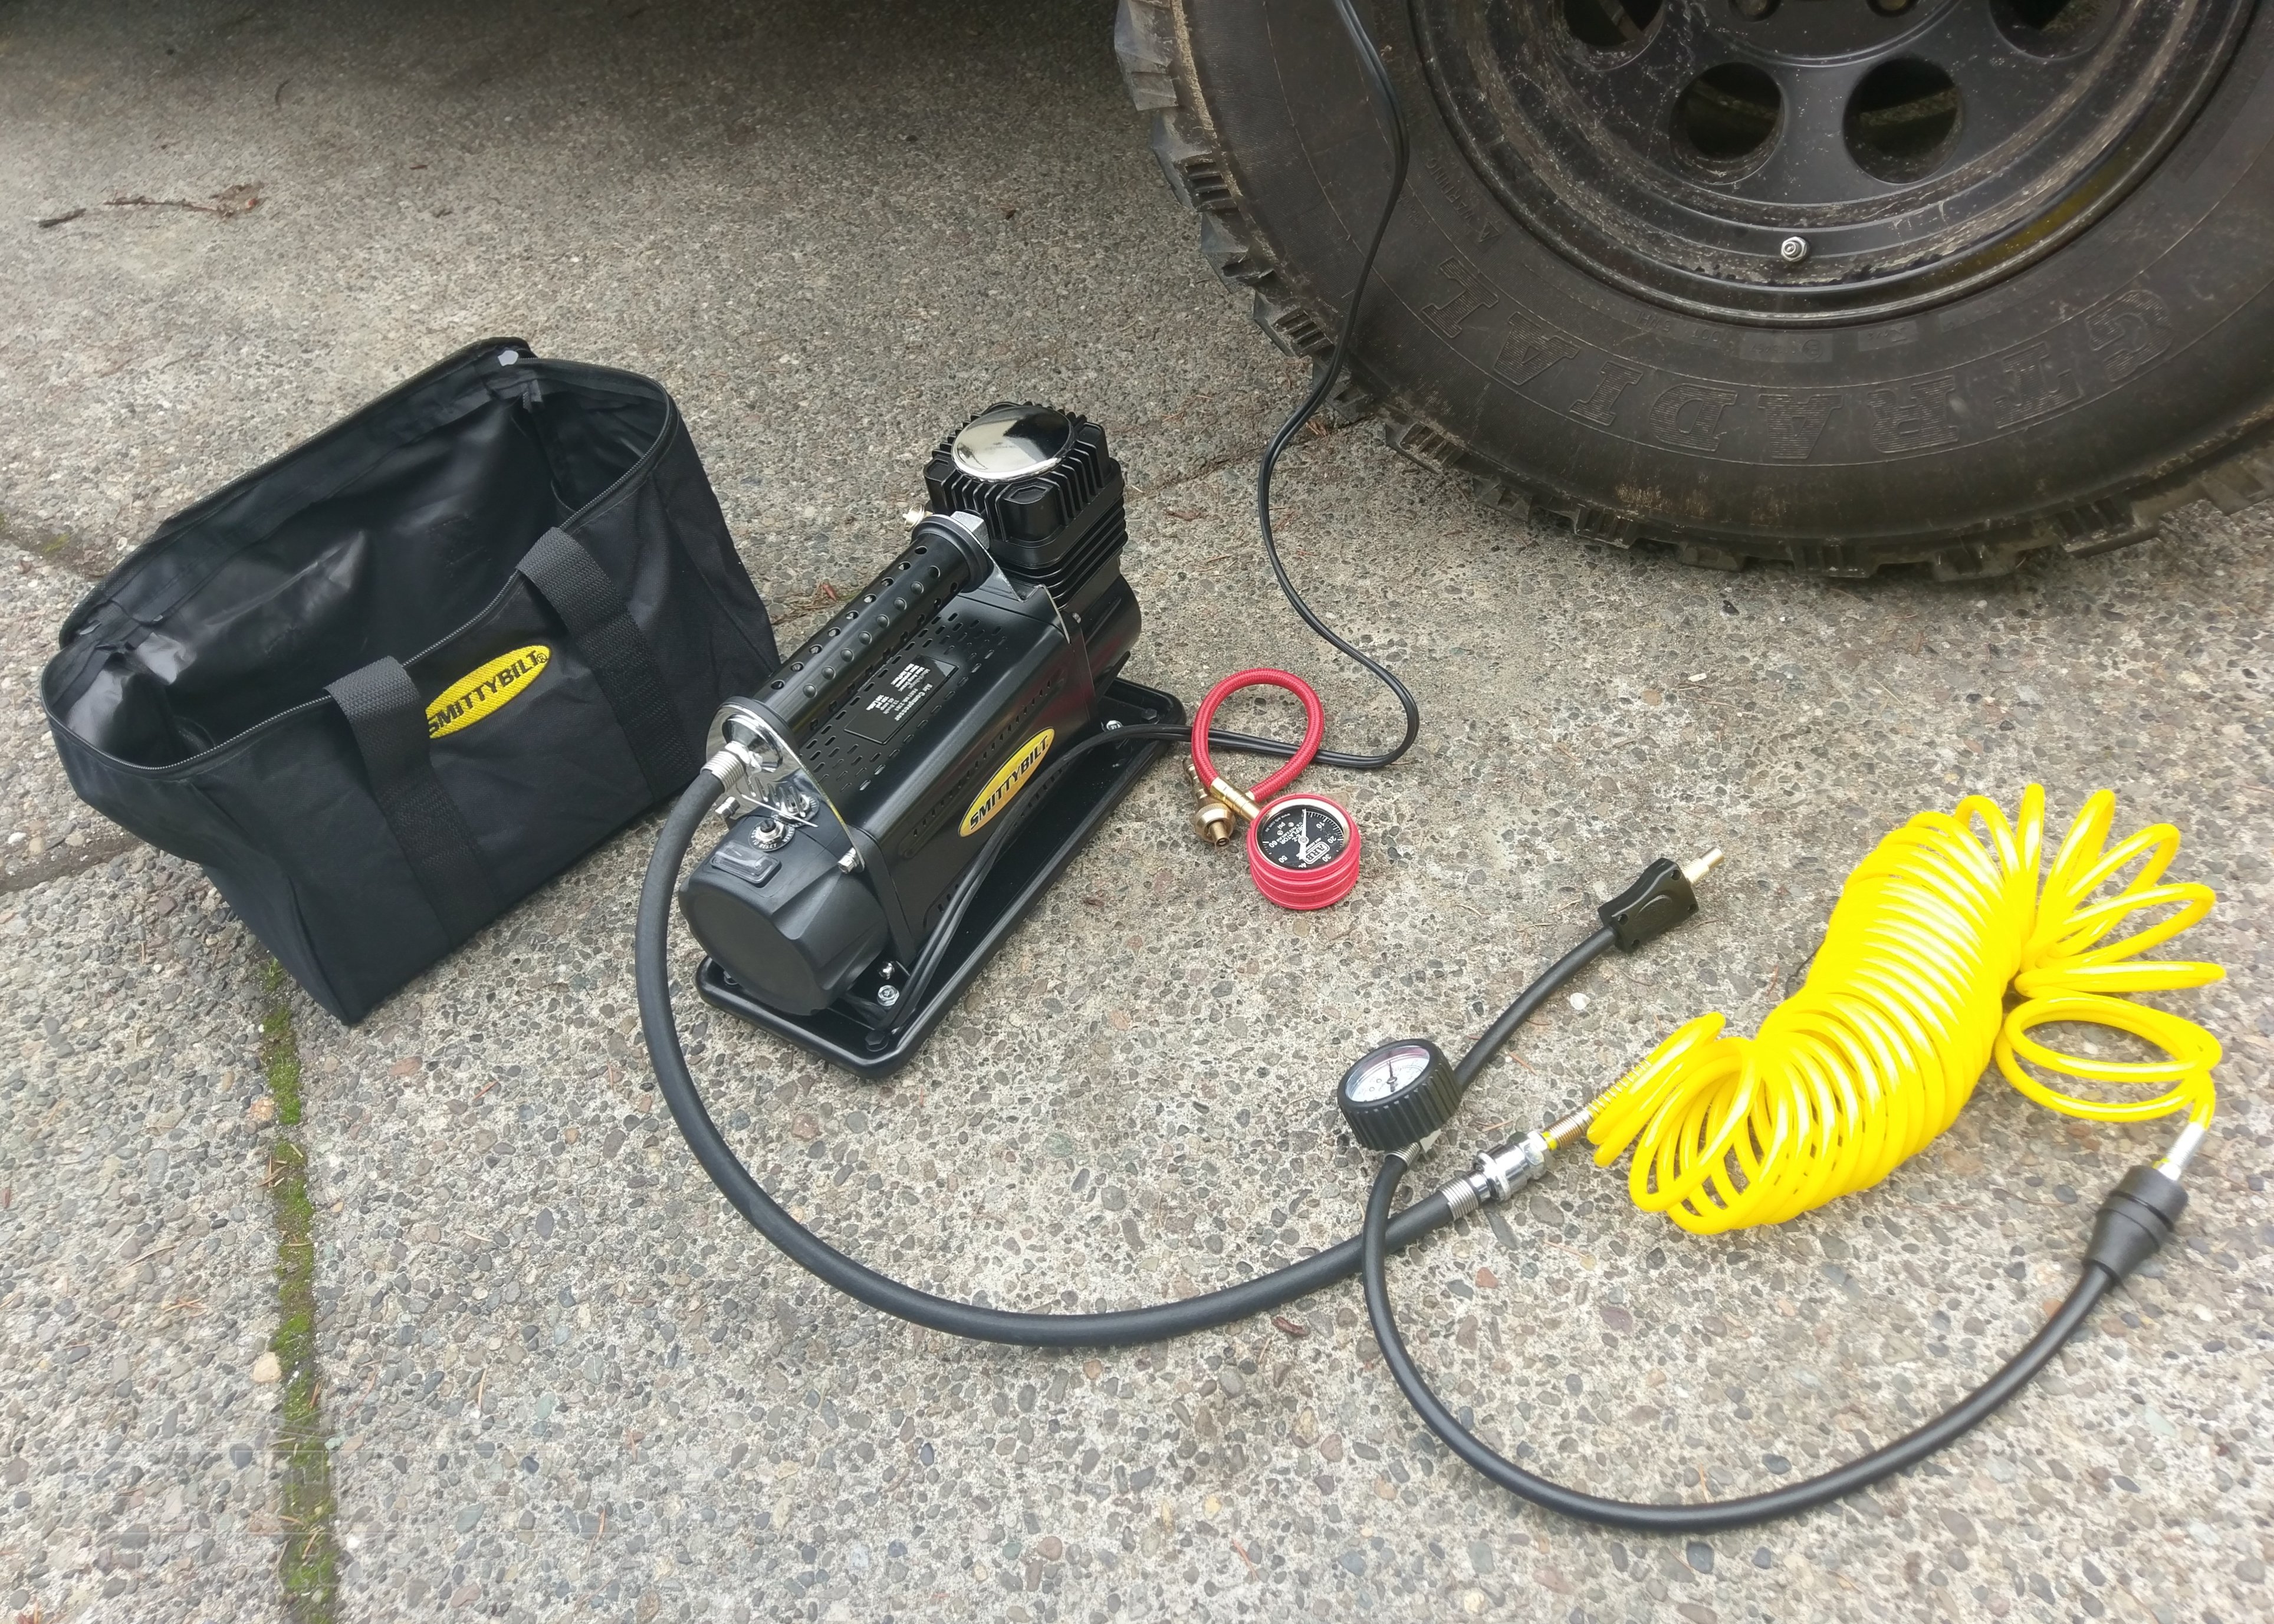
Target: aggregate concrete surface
x=565 y=1381
x=134 y=1286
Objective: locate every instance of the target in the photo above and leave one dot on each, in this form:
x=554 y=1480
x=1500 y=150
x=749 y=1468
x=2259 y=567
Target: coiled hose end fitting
x=2174 y=1164
x=2141 y=1214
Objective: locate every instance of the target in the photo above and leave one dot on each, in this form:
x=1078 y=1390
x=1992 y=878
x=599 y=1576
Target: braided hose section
x=1904 y=1009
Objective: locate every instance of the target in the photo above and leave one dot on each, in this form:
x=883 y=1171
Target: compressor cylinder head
x=1050 y=495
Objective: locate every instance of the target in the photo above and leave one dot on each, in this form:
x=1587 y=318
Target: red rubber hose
x=1314 y=726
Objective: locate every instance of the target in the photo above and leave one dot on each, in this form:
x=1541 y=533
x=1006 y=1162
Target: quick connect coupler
x=1501 y=1171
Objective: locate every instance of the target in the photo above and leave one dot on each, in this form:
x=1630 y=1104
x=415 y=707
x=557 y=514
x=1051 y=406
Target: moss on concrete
x=309 y=1562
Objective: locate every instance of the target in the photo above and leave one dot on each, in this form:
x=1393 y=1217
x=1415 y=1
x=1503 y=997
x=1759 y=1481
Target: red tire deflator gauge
x=1302 y=849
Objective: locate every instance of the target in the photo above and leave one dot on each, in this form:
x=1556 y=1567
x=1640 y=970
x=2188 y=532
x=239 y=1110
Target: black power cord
x=1329 y=371
x=2136 y=1220
x=1119 y=1329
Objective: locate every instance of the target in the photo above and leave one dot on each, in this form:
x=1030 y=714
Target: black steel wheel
x=1844 y=282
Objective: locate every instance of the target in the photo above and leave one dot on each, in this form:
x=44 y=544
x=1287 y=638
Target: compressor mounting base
x=1055 y=828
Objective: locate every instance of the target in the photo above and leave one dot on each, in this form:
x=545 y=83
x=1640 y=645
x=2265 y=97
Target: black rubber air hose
x=1528 y=1002
x=1121 y=1327
x=1704 y=1518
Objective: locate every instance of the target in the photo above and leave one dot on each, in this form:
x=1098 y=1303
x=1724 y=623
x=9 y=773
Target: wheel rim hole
x=1727 y=113
x=1902 y=121
x=2049 y=27
x=1611 y=25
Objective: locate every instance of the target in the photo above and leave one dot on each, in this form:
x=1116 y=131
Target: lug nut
x=1753 y=11
x=1793 y=249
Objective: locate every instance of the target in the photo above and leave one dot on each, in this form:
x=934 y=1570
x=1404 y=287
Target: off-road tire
x=2071 y=405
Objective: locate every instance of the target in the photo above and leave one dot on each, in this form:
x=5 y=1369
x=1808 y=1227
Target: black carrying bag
x=387 y=686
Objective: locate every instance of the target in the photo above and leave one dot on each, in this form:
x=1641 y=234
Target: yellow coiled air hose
x=1906 y=1006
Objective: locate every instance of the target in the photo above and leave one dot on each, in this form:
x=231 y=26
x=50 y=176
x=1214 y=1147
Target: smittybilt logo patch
x=482 y=691
x=1006 y=784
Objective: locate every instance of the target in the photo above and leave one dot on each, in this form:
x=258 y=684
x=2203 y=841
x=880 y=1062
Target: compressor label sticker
x=904 y=694
x=1006 y=784
x=485 y=688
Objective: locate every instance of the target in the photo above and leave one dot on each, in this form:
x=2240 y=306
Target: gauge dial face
x=1302 y=834
x=1388 y=1071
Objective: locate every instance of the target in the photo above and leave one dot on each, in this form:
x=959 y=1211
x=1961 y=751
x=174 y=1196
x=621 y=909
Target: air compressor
x=899 y=734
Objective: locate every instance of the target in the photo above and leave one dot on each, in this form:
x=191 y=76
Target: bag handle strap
x=384 y=712
x=581 y=593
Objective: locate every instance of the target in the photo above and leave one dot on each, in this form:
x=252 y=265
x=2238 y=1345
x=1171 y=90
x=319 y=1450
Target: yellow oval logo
x=1006 y=784
x=482 y=691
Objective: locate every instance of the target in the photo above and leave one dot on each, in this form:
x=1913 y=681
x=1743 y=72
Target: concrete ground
x=562 y=1381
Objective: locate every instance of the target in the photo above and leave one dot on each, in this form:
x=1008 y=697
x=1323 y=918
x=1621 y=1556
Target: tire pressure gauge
x=1303 y=852
x=1399 y=1095
x=1302 y=849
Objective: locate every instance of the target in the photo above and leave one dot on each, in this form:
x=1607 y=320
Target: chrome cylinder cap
x=1012 y=442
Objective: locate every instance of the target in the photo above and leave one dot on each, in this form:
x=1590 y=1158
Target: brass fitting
x=1212 y=820
x=1571 y=1127
x=1247 y=810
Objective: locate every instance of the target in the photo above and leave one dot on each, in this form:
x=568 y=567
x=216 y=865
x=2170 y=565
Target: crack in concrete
x=65 y=861
x=308 y=1561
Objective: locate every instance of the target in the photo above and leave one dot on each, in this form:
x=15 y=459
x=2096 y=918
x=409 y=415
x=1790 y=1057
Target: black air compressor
x=881 y=756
